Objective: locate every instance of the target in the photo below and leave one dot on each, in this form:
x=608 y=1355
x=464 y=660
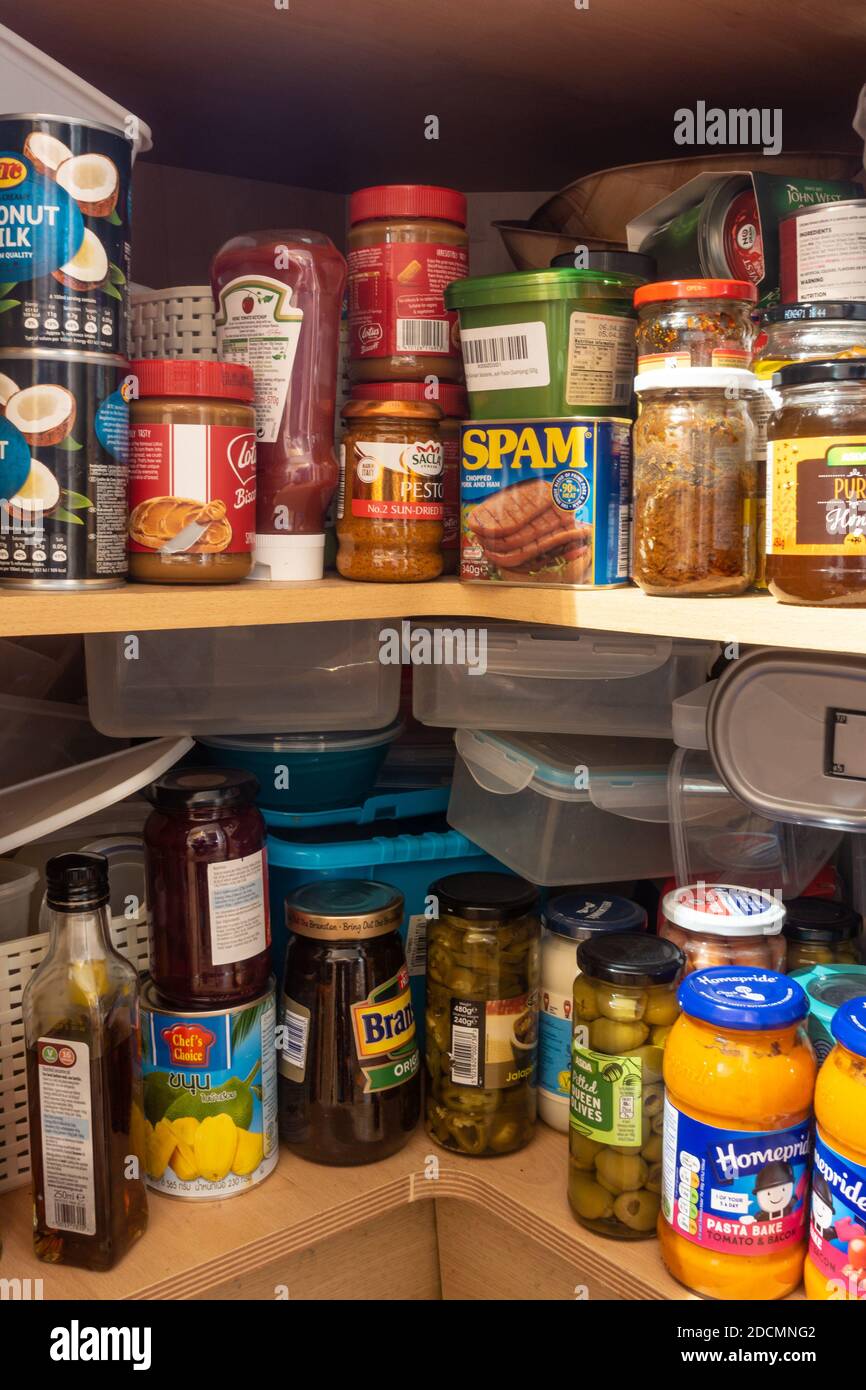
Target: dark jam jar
x=349 y=1071
x=207 y=887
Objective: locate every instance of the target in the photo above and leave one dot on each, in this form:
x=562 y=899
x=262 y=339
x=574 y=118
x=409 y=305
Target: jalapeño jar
x=625 y=1004
x=349 y=1071
x=483 y=953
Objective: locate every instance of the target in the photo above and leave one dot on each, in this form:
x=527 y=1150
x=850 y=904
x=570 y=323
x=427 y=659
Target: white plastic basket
x=177 y=322
x=18 y=961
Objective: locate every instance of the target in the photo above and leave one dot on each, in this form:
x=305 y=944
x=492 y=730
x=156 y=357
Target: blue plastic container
x=410 y=862
x=306 y=772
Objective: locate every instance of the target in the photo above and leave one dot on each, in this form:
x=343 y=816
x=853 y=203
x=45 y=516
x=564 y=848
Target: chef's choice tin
x=210 y=1096
x=64 y=432
x=546 y=502
x=822 y=252
x=64 y=234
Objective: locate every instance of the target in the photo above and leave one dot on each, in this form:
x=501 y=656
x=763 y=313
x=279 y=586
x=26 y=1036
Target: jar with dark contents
x=625 y=1004
x=349 y=1070
x=207 y=887
x=483 y=964
x=819 y=932
x=390 y=506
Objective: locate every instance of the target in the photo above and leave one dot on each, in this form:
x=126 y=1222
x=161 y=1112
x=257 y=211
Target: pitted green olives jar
x=625 y=1004
x=483 y=961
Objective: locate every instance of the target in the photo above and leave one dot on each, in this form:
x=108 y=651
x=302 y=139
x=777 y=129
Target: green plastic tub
x=543 y=344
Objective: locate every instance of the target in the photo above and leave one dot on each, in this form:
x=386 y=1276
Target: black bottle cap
x=484 y=897
x=185 y=788
x=75 y=881
x=630 y=958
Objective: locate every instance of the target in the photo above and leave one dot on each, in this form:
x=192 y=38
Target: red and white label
x=396 y=300
x=394 y=480
x=176 y=472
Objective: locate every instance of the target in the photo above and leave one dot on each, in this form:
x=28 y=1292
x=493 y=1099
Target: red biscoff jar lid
x=695 y=289
x=178 y=376
x=451 y=400
x=408 y=200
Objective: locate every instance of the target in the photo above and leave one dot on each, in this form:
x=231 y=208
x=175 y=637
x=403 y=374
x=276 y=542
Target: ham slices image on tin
x=522 y=528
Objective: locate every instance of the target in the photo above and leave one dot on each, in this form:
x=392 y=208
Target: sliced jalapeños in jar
x=483 y=956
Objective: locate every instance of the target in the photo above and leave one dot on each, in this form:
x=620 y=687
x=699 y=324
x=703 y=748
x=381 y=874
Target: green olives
x=605 y=1035
x=620 y=1005
x=661 y=1007
x=589 y=1199
x=637 y=1210
x=583 y=1151
x=585 y=1002
x=624 y=1172
x=652 y=1150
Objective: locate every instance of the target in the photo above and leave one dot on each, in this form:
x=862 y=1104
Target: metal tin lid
x=610 y=263
x=346 y=909
x=723 y=909
x=829 y=986
x=817 y=372
x=484 y=897
x=819 y=920
x=743 y=998
x=814 y=312
x=520 y=286
x=770 y=702
x=427 y=411
x=578 y=915
x=195 y=788
x=849 y=1025
x=630 y=958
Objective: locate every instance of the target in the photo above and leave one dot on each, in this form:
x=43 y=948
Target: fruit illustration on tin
x=44 y=416
x=201 y=1135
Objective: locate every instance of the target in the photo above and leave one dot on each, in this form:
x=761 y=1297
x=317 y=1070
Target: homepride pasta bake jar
x=569 y=919
x=739 y=1074
x=624 y=1005
x=482 y=1005
x=719 y=924
x=695 y=482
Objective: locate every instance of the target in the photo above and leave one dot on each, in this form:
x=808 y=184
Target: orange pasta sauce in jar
x=739 y=1075
x=836 y=1266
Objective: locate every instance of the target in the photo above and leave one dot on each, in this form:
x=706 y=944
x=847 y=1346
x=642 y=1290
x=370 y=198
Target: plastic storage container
x=566 y=921
x=827 y=988
x=307 y=772
x=723 y=924
x=564 y=810
x=17 y=882
x=316 y=676
x=555 y=680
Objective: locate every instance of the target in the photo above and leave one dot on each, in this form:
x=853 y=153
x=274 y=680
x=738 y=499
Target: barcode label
x=416 y=945
x=423 y=335
x=464 y=1056
x=484 y=351
x=623 y=552
x=514 y=355
x=69 y=1217
x=297 y=1030
x=621 y=392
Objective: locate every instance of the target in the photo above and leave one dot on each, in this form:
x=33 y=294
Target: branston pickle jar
x=349 y=1071
x=624 y=1006
x=482 y=1012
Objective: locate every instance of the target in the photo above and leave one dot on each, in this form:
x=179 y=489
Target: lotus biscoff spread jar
x=406 y=243
x=192 y=472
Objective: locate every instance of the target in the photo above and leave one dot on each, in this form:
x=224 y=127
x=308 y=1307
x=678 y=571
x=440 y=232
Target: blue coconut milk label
x=739 y=1192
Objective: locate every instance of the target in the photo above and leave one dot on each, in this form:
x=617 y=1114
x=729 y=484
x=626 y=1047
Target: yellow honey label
x=816 y=496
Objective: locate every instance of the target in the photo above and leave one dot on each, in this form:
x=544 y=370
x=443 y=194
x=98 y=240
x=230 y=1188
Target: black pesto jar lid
x=818 y=921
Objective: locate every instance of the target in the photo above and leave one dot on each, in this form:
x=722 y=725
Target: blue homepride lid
x=849 y=1025
x=740 y=996
x=575 y=914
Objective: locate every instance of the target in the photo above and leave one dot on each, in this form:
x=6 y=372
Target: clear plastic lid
x=338 y=742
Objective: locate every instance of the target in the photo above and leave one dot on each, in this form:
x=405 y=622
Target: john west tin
x=64 y=234
x=210 y=1096
x=64 y=427
x=546 y=502
x=822 y=252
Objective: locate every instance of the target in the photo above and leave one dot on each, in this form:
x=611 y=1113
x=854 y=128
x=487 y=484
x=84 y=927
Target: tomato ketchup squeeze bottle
x=278 y=298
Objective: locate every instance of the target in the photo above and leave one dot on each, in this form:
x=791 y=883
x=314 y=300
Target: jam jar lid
x=817 y=920
x=849 y=1025
x=818 y=372
x=577 y=915
x=188 y=788
x=344 y=909
x=630 y=958
x=484 y=897
x=743 y=997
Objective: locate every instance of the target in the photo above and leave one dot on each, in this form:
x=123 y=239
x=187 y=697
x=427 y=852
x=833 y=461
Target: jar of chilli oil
x=625 y=1005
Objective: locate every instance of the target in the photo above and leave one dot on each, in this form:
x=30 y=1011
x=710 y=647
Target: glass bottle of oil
x=87 y=1128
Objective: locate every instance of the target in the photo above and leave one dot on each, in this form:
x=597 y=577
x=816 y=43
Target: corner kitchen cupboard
x=501 y=1230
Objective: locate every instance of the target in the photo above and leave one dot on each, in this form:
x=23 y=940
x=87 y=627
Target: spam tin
x=64 y=234
x=210 y=1096
x=64 y=433
x=546 y=502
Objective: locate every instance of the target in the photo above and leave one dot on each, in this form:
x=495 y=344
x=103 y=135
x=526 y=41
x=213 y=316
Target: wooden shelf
x=753 y=619
x=196 y=1251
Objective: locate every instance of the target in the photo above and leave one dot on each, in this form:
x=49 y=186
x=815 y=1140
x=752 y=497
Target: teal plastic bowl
x=306 y=772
